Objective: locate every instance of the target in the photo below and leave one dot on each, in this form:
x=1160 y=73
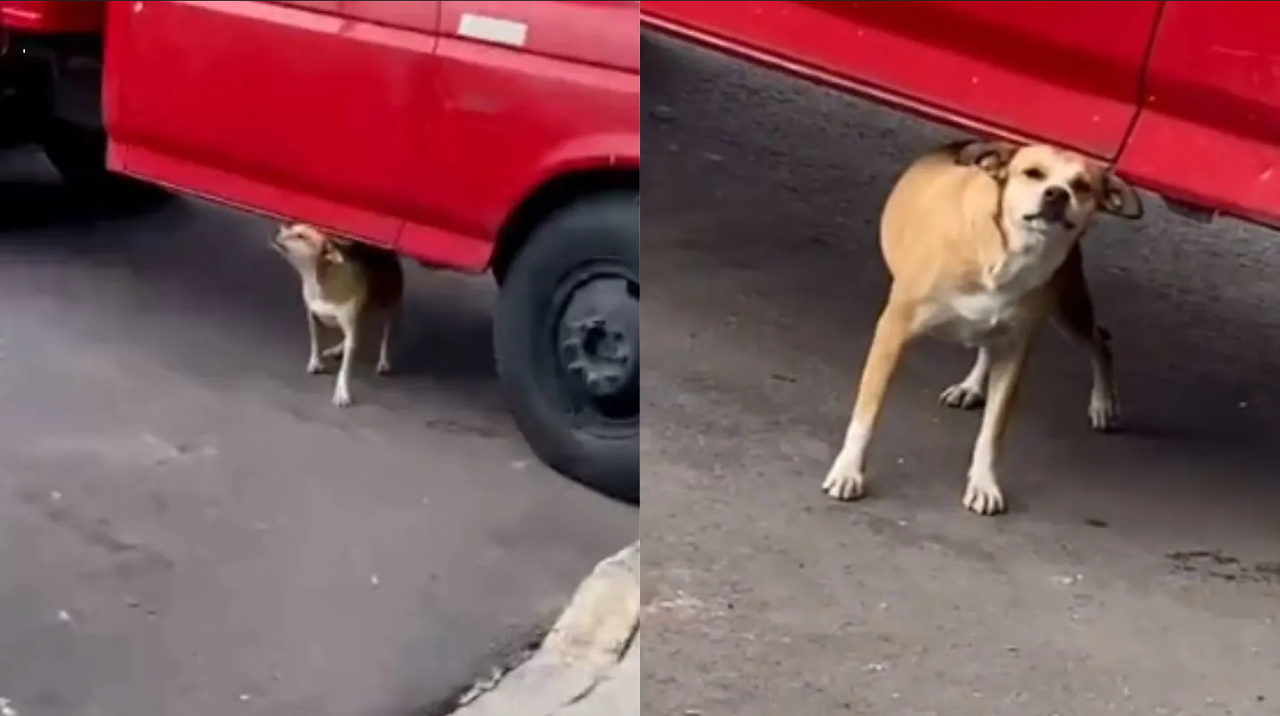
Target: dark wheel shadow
x=37 y=204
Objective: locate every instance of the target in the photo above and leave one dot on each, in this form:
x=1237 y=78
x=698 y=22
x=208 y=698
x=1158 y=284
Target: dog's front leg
x=314 y=364
x=982 y=493
x=845 y=479
x=350 y=332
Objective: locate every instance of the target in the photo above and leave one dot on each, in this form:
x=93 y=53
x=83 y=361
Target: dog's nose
x=1056 y=196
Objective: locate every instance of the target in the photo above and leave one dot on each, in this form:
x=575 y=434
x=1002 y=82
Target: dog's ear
x=992 y=157
x=1119 y=198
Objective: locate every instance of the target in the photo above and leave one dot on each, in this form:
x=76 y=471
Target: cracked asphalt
x=1136 y=573
x=187 y=527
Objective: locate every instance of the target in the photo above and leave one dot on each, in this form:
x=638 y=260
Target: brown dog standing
x=343 y=285
x=982 y=242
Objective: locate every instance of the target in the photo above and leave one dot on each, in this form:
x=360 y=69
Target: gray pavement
x=188 y=528
x=1136 y=574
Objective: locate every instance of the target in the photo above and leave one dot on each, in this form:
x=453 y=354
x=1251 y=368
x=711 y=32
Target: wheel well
x=549 y=198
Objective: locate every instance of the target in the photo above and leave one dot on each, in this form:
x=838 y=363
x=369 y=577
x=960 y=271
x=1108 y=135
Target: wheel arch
x=550 y=197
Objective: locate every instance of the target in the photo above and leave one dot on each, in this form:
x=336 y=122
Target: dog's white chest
x=327 y=312
x=987 y=314
x=973 y=318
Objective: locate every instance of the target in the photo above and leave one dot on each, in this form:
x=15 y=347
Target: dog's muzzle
x=1054 y=203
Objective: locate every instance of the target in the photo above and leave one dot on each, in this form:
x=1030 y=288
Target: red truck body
x=49 y=17
x=466 y=134
x=375 y=119
x=1182 y=97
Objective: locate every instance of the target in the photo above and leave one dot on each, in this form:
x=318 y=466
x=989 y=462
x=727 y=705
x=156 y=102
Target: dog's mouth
x=278 y=246
x=1046 y=219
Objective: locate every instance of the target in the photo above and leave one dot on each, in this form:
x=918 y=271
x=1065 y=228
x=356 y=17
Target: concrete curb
x=589 y=643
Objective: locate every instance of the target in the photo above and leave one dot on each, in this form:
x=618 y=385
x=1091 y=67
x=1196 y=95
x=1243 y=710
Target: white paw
x=334 y=351
x=962 y=397
x=1104 y=413
x=341 y=398
x=983 y=497
x=314 y=366
x=384 y=367
x=844 y=485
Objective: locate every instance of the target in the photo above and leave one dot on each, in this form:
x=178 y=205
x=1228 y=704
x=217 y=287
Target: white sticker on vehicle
x=493 y=29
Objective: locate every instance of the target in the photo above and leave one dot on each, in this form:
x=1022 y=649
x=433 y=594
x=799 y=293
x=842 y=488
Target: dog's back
x=934 y=214
x=382 y=272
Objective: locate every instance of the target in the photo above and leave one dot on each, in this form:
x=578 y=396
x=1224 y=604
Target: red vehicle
x=1183 y=98
x=474 y=136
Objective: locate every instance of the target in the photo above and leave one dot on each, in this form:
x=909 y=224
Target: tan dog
x=981 y=241
x=343 y=285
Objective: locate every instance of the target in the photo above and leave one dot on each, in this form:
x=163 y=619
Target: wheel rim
x=595 y=333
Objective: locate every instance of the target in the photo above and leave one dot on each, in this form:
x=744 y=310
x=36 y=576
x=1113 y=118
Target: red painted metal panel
x=518 y=117
x=288 y=97
x=1210 y=128
x=366 y=121
x=404 y=14
x=1066 y=72
x=593 y=32
x=50 y=16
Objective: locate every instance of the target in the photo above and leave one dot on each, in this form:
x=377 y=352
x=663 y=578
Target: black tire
x=593 y=242
x=80 y=156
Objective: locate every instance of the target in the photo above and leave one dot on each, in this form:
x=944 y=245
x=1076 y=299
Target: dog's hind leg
x=1074 y=315
x=390 y=322
x=844 y=481
x=970 y=393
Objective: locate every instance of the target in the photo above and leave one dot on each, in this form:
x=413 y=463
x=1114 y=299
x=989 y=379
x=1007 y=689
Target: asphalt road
x=1136 y=573
x=188 y=528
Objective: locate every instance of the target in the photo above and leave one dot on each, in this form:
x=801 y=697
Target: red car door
x=534 y=90
x=1208 y=130
x=1065 y=71
x=322 y=110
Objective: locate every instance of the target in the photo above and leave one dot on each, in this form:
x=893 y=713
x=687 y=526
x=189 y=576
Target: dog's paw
x=962 y=397
x=384 y=367
x=983 y=497
x=341 y=398
x=1104 y=414
x=843 y=485
x=315 y=366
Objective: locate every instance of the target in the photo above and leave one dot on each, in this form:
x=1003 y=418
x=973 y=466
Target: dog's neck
x=332 y=282
x=1031 y=254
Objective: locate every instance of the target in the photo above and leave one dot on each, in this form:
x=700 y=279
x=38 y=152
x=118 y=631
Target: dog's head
x=1044 y=188
x=306 y=247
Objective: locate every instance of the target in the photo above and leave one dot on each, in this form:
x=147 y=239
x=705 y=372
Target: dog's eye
x=1034 y=173
x=1081 y=187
